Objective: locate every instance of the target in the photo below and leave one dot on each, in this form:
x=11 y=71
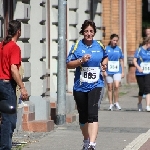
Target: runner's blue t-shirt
x=114 y=54
x=142 y=55
x=97 y=54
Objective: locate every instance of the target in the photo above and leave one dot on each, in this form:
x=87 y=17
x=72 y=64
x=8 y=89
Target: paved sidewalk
x=118 y=130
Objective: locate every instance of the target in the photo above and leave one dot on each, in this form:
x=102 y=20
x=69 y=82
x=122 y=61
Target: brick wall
x=111 y=22
x=134 y=33
x=110 y=18
x=134 y=27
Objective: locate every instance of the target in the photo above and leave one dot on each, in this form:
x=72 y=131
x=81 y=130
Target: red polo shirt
x=9 y=54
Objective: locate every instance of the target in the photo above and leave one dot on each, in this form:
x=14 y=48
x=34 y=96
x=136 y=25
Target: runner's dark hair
x=86 y=24
x=112 y=36
x=146 y=40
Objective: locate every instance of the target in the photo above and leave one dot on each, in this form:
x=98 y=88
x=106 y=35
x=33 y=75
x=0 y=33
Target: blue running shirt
x=114 y=54
x=97 y=54
x=142 y=55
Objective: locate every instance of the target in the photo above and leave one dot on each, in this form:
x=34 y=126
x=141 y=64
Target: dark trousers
x=143 y=83
x=8 y=123
x=87 y=105
x=101 y=97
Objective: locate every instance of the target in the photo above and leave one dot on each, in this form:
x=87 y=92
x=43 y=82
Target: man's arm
x=16 y=76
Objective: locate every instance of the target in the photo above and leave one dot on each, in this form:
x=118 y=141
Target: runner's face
x=89 y=33
x=114 y=41
x=147 y=32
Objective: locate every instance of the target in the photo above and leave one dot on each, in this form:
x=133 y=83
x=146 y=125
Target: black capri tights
x=143 y=83
x=87 y=105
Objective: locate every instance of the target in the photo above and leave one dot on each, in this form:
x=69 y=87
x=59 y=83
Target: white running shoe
x=111 y=107
x=91 y=147
x=148 y=108
x=117 y=106
x=140 y=107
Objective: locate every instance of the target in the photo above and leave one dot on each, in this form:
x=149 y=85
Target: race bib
x=145 y=66
x=113 y=66
x=90 y=74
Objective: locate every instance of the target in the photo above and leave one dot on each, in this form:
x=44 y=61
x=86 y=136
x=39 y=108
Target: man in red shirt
x=10 y=61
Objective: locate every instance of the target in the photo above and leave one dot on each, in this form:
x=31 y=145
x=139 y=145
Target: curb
x=138 y=142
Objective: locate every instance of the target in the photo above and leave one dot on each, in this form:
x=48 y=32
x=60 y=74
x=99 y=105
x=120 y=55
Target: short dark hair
x=86 y=24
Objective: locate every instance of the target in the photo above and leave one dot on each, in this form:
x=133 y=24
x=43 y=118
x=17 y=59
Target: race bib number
x=145 y=66
x=113 y=66
x=90 y=74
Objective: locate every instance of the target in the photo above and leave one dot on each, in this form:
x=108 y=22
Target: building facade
x=124 y=17
x=39 y=48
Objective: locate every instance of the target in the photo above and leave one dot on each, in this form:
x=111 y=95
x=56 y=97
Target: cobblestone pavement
x=127 y=129
x=21 y=138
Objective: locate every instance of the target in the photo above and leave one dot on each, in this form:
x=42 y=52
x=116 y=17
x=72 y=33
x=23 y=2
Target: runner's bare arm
x=75 y=63
x=104 y=64
x=136 y=65
x=122 y=66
